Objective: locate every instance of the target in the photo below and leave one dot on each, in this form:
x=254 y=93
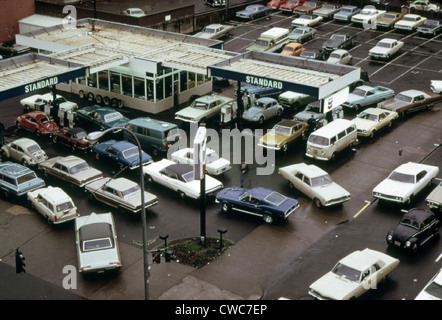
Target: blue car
x=262 y=202
x=346 y=13
x=254 y=11
x=99 y=118
x=18 y=180
x=122 y=153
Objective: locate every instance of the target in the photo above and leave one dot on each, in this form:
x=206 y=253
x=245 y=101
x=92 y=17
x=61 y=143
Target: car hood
x=403 y=233
x=134 y=199
x=118 y=123
x=394 y=188
x=305 y=115
x=379 y=50
x=253 y=111
x=334 y=287
x=363 y=124
x=331 y=191
x=231 y=193
x=435 y=195
x=87 y=174
x=191 y=112
x=211 y=183
x=135 y=161
x=332 y=43
x=219 y=163
x=392 y=104
x=352 y=98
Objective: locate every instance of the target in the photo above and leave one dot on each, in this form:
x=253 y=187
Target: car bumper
x=334 y=202
x=395 y=199
x=433 y=205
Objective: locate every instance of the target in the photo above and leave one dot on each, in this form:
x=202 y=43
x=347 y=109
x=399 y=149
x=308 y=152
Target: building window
x=168 y=86
x=115 y=82
x=103 y=80
x=159 y=89
x=126 y=84
x=92 y=80
x=139 y=88
x=183 y=81
x=149 y=89
x=192 y=80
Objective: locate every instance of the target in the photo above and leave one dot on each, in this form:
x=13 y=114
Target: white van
x=271 y=40
x=326 y=142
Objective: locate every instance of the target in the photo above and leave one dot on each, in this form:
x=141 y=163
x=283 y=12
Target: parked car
x=340 y=56
x=17 y=180
x=53 y=204
x=270 y=40
x=431 y=27
x=283 y=134
x=354 y=275
x=315 y=183
x=405 y=182
x=275 y=4
x=74 y=138
x=37 y=122
x=327 y=10
x=436 y=86
x=432 y=290
x=266 y=203
x=203 y=109
x=23 y=150
x=254 y=11
x=365 y=96
x=97 y=243
x=307 y=20
x=215 y=165
x=302 y=34
x=416 y=227
x=388 y=19
x=385 y=49
x=292 y=49
x=31 y=103
x=259 y=92
x=371 y=120
x=410 y=22
x=314 y=109
x=134 y=12
x=99 y=118
x=71 y=169
x=291 y=5
x=339 y=40
x=368 y=16
x=434 y=199
x=179 y=178
x=214 y=31
x=425 y=5
x=215 y=3
x=315 y=54
x=409 y=101
x=346 y=13
x=120 y=193
x=294 y=100
x=263 y=109
x=121 y=153
x=308 y=7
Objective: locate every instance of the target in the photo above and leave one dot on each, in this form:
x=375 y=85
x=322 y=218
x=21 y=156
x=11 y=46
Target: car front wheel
x=225 y=207
x=267 y=218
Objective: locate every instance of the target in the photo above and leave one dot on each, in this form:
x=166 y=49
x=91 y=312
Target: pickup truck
x=30 y=103
x=293 y=100
x=365 y=96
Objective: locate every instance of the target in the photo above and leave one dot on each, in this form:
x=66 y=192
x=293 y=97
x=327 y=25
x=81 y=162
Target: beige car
x=434 y=199
x=371 y=120
x=388 y=19
x=282 y=134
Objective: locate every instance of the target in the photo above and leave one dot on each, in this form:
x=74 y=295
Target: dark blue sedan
x=254 y=11
x=262 y=202
x=99 y=118
x=122 y=153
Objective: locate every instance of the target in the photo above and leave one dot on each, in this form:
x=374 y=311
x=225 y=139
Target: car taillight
x=84 y=268
x=115 y=263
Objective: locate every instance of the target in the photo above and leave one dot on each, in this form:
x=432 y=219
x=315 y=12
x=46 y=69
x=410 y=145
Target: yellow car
x=292 y=49
x=283 y=133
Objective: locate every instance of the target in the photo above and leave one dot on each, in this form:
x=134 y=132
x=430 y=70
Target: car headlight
x=408 y=244
x=389 y=237
x=323 y=152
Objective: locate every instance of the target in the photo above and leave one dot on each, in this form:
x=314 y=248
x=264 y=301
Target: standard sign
x=263 y=82
x=41 y=84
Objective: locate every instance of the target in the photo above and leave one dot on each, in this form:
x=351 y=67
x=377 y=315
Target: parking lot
x=283 y=259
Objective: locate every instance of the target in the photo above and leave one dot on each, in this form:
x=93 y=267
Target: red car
x=291 y=5
x=74 y=138
x=38 y=122
x=275 y=4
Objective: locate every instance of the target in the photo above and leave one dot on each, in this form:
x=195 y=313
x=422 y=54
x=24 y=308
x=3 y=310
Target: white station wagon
x=24 y=150
x=54 y=204
x=214 y=164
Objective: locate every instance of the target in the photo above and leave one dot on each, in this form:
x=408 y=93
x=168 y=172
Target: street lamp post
x=97 y=135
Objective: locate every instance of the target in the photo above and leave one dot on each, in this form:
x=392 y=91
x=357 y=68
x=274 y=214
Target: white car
x=97 y=243
x=214 y=31
x=405 y=182
x=434 y=199
x=214 y=164
x=134 y=12
x=54 y=204
x=307 y=20
x=29 y=103
x=24 y=150
x=410 y=22
x=340 y=56
x=315 y=183
x=425 y=5
x=385 y=48
x=179 y=177
x=436 y=86
x=71 y=169
x=368 y=16
x=203 y=108
x=120 y=193
x=433 y=289
x=354 y=275
x=371 y=120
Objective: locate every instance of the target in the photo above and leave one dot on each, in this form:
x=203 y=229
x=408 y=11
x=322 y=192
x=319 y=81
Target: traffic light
x=19 y=262
x=156 y=257
x=167 y=255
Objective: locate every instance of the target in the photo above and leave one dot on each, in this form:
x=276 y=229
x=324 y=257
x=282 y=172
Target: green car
x=302 y=34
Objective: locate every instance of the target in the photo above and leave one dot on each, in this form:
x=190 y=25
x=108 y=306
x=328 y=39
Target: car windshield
x=410 y=223
x=80 y=135
x=322 y=141
x=97 y=244
x=367 y=12
x=298 y=31
x=262 y=43
x=131 y=190
x=209 y=30
x=383 y=44
x=33 y=148
x=275 y=198
x=130 y=152
x=114 y=116
x=409 y=19
x=282 y=130
x=324 y=180
x=293 y=2
x=401 y=177
x=260 y=104
x=431 y=23
x=329 y=7
x=404 y=98
x=306 y=17
x=200 y=105
x=347 y=10
x=347 y=272
x=65 y=206
x=188 y=177
x=288 y=48
x=389 y=16
x=79 y=167
x=434 y=289
x=137 y=12
x=26 y=177
x=308 y=54
x=337 y=37
x=211 y=157
x=359 y=92
x=45 y=119
x=313 y=108
x=310 y=4
x=335 y=55
x=368 y=116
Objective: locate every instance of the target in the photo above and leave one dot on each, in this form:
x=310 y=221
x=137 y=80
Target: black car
x=416 y=227
x=316 y=54
x=431 y=27
x=339 y=40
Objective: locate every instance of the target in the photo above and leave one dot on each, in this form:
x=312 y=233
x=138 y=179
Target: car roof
x=418 y=214
x=340 y=51
x=289 y=123
x=389 y=40
x=152 y=123
x=76 y=130
x=54 y=194
x=180 y=168
x=412 y=15
x=375 y=110
x=70 y=161
x=123 y=145
x=358 y=260
x=25 y=142
x=121 y=183
x=266 y=100
x=310 y=170
x=411 y=167
x=12 y=169
x=412 y=92
x=260 y=192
